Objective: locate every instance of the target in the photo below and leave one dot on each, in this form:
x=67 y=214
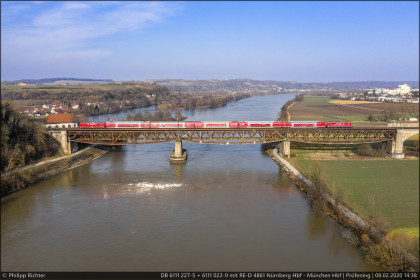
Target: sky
x=305 y=41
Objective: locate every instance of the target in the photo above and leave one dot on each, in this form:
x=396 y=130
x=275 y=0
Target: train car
x=92 y=124
x=154 y=124
x=339 y=124
x=145 y=124
x=260 y=124
x=304 y=123
x=320 y=124
x=233 y=124
x=110 y=124
x=172 y=124
x=236 y=124
x=193 y=124
x=282 y=124
x=216 y=124
x=127 y=124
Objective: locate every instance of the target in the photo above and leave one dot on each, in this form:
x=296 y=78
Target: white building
x=404 y=89
x=60 y=121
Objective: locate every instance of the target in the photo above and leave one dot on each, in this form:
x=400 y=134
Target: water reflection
x=178 y=168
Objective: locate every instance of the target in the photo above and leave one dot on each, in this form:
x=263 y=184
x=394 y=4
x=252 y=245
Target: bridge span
x=392 y=137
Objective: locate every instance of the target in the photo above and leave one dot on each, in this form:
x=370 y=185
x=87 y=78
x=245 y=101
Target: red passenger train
x=214 y=124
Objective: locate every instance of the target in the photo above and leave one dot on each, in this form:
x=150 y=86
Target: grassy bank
x=388 y=186
x=394 y=251
x=382 y=191
x=21 y=179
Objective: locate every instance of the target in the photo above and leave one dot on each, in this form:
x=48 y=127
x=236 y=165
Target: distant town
x=402 y=94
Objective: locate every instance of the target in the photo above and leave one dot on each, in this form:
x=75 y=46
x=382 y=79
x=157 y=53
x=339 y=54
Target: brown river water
x=229 y=208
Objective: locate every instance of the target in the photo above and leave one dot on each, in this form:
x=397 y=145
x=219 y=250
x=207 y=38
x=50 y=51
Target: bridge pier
x=284 y=148
x=67 y=146
x=178 y=154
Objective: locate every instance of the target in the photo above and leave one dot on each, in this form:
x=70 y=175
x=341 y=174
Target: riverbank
x=25 y=176
x=377 y=246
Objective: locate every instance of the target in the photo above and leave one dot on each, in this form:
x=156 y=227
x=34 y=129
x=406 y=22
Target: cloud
x=70 y=30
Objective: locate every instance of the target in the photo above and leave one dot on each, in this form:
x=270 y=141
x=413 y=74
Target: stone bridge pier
x=394 y=148
x=67 y=146
x=178 y=154
x=284 y=148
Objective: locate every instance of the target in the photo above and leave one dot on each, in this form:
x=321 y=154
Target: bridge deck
x=138 y=136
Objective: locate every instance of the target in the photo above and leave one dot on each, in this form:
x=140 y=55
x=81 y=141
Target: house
x=27 y=109
x=58 y=103
x=56 y=111
x=55 y=103
x=76 y=107
x=38 y=112
x=60 y=121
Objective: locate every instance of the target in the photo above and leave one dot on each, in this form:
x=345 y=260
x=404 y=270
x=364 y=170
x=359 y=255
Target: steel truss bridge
x=225 y=136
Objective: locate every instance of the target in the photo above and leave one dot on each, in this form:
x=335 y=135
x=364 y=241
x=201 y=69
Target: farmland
x=393 y=187
x=321 y=107
x=384 y=187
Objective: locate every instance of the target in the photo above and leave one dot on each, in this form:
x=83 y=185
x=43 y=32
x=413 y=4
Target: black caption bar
x=209 y=275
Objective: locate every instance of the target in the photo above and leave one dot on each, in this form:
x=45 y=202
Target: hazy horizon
x=317 y=42
x=221 y=79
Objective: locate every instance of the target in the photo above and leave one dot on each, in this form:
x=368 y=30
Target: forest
x=23 y=140
x=86 y=93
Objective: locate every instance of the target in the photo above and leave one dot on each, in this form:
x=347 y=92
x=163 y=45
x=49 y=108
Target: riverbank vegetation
x=395 y=250
x=23 y=140
x=190 y=102
x=20 y=179
x=284 y=115
x=383 y=192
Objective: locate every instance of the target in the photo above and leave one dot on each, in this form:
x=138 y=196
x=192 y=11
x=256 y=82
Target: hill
x=69 y=81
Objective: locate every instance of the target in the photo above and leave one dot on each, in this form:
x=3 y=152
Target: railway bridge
x=391 y=137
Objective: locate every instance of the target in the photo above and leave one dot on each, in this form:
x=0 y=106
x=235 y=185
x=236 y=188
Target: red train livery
x=214 y=124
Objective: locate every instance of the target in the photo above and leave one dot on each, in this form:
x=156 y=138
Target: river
x=229 y=208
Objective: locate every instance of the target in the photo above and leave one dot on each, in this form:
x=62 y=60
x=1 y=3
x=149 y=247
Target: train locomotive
x=213 y=124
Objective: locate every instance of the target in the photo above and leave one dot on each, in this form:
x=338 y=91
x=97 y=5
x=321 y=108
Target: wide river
x=229 y=208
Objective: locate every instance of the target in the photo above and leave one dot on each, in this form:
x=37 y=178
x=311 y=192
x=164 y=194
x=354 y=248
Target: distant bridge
x=392 y=137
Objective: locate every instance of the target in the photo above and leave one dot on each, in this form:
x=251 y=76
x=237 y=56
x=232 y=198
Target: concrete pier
x=178 y=154
x=284 y=148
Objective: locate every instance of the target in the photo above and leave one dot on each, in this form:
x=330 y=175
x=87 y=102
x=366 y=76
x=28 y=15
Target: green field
x=392 y=184
x=387 y=188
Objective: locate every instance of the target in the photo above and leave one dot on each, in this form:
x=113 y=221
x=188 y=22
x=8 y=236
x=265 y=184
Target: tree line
x=86 y=93
x=283 y=115
x=23 y=140
x=189 y=102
